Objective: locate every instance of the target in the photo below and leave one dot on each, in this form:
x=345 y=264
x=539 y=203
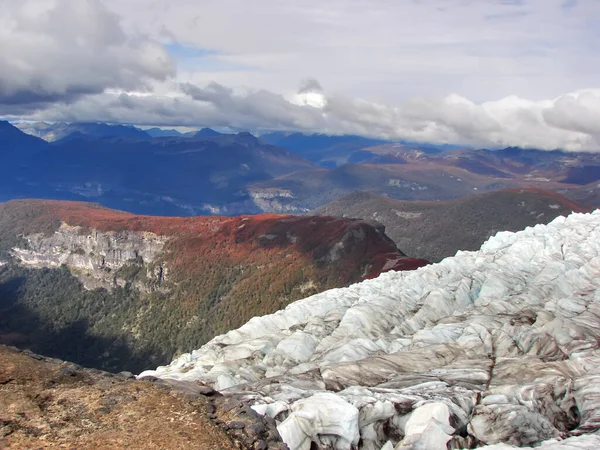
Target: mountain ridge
x=437 y=229
x=232 y=174
x=163 y=176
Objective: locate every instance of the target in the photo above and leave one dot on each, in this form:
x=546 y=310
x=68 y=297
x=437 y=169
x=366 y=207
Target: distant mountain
x=159 y=132
x=213 y=173
x=334 y=151
x=413 y=174
x=57 y=131
x=18 y=153
x=300 y=192
x=207 y=132
x=13 y=140
x=566 y=167
x=324 y=150
x=166 y=176
x=435 y=230
x=155 y=286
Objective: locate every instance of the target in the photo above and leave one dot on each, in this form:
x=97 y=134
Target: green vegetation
x=436 y=230
x=48 y=311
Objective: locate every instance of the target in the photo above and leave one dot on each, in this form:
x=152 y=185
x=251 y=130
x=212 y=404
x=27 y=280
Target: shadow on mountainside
x=23 y=325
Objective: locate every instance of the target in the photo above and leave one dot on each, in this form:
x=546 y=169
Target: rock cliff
x=95 y=257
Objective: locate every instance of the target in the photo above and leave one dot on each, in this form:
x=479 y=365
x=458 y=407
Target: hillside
x=435 y=230
x=324 y=150
x=497 y=347
x=302 y=191
x=408 y=172
x=48 y=403
x=157 y=286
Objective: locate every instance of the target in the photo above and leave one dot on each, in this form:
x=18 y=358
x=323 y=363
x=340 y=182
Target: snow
x=497 y=348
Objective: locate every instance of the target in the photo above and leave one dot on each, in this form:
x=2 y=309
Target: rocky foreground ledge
x=49 y=403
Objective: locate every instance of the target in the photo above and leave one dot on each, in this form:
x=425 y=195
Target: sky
x=490 y=73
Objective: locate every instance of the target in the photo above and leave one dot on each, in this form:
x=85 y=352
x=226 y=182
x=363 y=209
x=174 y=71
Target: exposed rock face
x=93 y=255
x=498 y=347
x=270 y=200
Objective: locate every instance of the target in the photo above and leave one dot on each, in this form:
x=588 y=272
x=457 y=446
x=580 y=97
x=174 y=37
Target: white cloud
x=570 y=121
x=58 y=50
x=478 y=72
x=385 y=50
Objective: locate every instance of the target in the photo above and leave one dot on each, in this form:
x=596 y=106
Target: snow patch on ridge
x=497 y=347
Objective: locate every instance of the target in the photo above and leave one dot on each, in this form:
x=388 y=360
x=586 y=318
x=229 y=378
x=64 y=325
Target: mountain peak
x=6 y=125
x=207 y=132
x=15 y=141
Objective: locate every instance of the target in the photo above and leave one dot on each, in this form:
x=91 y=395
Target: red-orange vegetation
x=236 y=237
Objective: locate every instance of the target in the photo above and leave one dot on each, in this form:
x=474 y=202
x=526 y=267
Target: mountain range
x=207 y=172
x=495 y=346
x=164 y=176
x=52 y=132
x=416 y=175
x=324 y=150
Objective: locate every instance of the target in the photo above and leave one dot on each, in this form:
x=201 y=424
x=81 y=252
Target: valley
x=303 y=287
x=212 y=173
x=496 y=348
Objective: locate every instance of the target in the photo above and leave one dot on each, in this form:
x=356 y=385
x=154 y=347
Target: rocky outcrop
x=48 y=403
x=95 y=257
x=275 y=201
x=497 y=347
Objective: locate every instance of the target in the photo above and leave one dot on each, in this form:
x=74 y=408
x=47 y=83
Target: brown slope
x=420 y=180
x=435 y=230
x=222 y=271
x=47 y=403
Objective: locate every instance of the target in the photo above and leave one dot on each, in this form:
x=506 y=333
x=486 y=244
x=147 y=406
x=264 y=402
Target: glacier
x=494 y=349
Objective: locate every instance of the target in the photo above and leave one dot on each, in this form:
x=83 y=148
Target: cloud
x=430 y=70
x=570 y=122
x=385 y=50
x=59 y=50
x=310 y=85
x=579 y=112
